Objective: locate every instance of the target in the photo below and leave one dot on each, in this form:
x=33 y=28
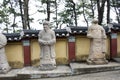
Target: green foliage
x=115 y=3
x=4 y=13
x=7 y=10
x=65 y=16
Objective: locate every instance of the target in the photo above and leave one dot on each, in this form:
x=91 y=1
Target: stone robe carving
x=97 y=36
x=4 y=66
x=47 y=42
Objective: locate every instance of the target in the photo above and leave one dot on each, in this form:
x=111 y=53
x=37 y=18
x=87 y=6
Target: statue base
x=47 y=67
x=4 y=70
x=96 y=61
x=47 y=64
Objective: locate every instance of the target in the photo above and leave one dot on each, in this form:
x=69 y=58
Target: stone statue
x=47 y=40
x=4 y=66
x=97 y=36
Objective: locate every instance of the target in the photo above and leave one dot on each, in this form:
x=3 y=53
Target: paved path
x=110 y=75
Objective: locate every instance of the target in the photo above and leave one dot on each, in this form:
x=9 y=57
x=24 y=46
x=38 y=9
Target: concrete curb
x=82 y=68
x=33 y=73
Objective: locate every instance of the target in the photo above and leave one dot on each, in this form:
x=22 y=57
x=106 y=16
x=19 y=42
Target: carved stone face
x=46 y=27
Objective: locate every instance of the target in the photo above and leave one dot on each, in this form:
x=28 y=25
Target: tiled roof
x=13 y=36
x=58 y=32
x=115 y=26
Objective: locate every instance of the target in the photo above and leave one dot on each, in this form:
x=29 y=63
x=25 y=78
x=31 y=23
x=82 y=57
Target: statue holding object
x=47 y=40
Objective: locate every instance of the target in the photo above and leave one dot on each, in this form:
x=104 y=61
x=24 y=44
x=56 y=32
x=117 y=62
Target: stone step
x=12 y=74
x=61 y=70
x=32 y=72
x=117 y=59
x=82 y=68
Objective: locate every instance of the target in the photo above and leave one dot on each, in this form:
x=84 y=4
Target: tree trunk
x=92 y=9
x=26 y=14
x=100 y=7
x=21 y=13
x=56 y=13
x=84 y=12
x=75 y=14
x=108 y=11
x=48 y=10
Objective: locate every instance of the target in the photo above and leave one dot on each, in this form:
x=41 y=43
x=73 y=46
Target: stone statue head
x=3 y=40
x=46 y=25
x=95 y=21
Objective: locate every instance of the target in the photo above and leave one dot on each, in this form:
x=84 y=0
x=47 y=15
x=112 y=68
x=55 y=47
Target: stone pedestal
x=47 y=67
x=47 y=63
x=96 y=61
